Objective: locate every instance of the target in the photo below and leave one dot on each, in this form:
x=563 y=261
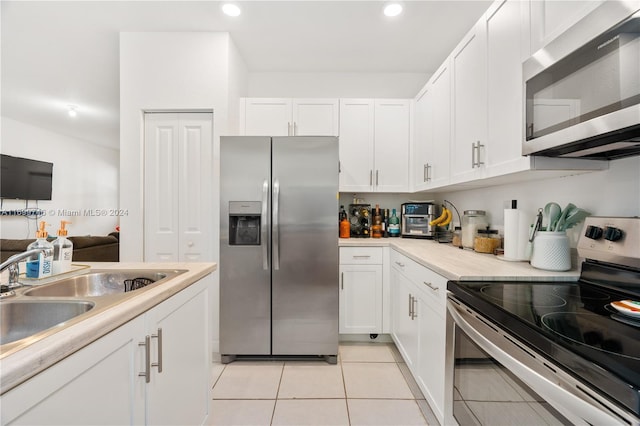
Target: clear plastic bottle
x=40 y=265
x=62 y=250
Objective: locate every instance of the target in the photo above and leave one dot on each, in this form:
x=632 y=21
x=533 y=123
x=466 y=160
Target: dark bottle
x=376 y=228
x=385 y=224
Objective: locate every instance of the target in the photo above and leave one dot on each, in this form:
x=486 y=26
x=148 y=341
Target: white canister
x=551 y=251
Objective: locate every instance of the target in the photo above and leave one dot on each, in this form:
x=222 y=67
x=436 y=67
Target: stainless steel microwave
x=583 y=88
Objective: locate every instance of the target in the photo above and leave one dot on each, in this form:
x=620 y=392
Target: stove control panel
x=611 y=239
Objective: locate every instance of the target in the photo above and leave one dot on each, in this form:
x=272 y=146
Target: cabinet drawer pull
x=147 y=358
x=399 y=264
x=431 y=286
x=377 y=177
x=414 y=315
x=342 y=281
x=410 y=305
x=159 y=363
x=370 y=177
x=362 y=256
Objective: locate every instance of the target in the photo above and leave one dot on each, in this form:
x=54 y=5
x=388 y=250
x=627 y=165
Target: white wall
x=164 y=71
x=335 y=85
x=613 y=192
x=85 y=177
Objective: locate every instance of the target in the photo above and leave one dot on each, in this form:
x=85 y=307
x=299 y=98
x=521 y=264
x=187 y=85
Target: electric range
x=573 y=324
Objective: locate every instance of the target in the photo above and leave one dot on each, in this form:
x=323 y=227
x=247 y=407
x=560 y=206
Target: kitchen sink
x=20 y=319
x=102 y=283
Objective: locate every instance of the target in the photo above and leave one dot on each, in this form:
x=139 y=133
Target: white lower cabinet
x=361 y=292
x=419 y=326
x=104 y=383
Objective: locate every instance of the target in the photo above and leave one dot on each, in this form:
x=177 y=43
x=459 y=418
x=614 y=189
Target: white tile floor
x=370 y=385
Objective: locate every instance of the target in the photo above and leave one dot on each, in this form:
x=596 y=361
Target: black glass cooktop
x=572 y=324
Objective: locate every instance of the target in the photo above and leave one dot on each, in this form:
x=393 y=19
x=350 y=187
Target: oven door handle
x=577 y=410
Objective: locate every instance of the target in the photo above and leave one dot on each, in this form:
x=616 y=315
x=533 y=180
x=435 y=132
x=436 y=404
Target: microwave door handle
x=265 y=225
x=571 y=406
x=276 y=225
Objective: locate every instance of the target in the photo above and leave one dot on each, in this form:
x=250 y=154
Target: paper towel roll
x=516 y=234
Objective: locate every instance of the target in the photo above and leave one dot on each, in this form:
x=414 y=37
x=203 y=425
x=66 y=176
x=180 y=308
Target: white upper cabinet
x=288 y=117
x=374 y=145
x=469 y=97
x=432 y=132
x=549 y=18
x=391 y=158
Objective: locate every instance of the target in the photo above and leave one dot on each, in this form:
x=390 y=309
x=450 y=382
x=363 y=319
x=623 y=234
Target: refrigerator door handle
x=265 y=226
x=276 y=225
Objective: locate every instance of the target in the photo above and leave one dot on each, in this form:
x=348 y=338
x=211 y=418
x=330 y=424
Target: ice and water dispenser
x=244 y=223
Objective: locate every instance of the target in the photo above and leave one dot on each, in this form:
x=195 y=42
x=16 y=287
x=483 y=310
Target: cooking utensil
x=563 y=217
x=550 y=216
x=574 y=217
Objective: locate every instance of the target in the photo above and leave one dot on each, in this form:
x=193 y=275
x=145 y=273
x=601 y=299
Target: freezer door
x=305 y=246
x=245 y=288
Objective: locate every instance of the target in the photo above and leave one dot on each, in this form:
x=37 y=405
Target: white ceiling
x=56 y=53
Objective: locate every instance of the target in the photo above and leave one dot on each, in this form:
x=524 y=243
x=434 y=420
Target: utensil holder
x=551 y=251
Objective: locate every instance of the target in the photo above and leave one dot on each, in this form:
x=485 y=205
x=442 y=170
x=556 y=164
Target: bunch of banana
x=444 y=219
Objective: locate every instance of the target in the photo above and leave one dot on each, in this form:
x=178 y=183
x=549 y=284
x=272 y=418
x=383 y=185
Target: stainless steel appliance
x=557 y=351
x=583 y=88
x=415 y=218
x=278 y=247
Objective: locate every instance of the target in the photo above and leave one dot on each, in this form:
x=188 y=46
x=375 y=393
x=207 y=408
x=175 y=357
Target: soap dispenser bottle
x=40 y=265
x=62 y=250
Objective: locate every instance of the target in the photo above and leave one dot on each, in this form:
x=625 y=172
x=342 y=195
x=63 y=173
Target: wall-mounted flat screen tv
x=25 y=179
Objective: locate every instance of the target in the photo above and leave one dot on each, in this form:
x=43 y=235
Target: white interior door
x=178 y=192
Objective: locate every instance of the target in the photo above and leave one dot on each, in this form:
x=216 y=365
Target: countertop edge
x=17 y=367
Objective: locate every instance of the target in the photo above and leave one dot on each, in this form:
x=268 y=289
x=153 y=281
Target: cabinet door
x=356 y=145
x=178 y=392
x=315 y=117
x=392 y=128
x=195 y=191
x=431 y=369
x=161 y=187
x=468 y=65
x=549 y=18
x=265 y=117
x=422 y=138
x=360 y=299
x=505 y=88
x=439 y=168
x=99 y=384
x=404 y=326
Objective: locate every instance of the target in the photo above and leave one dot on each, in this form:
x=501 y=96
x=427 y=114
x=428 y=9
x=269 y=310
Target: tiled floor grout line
x=275 y=402
x=344 y=386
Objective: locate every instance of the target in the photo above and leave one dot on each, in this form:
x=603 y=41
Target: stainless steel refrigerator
x=278 y=246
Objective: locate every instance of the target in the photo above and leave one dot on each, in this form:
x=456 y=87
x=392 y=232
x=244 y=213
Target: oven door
x=498 y=381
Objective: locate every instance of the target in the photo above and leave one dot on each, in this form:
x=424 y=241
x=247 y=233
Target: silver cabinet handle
x=342 y=281
x=276 y=225
x=362 y=256
x=429 y=167
x=399 y=264
x=147 y=359
x=431 y=286
x=424 y=172
x=480 y=163
x=473 y=155
x=265 y=225
x=377 y=177
x=159 y=363
x=339 y=167
x=414 y=314
x=370 y=177
x=410 y=305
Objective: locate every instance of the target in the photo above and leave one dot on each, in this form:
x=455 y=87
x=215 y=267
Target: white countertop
x=20 y=363
x=463 y=265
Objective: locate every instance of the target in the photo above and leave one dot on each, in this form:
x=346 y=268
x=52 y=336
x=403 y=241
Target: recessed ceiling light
x=393 y=9
x=72 y=110
x=231 y=9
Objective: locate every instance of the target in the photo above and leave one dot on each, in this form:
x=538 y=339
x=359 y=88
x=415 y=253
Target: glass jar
x=472 y=220
x=457 y=237
x=486 y=241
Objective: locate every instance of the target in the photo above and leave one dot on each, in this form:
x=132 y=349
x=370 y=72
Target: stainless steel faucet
x=12 y=264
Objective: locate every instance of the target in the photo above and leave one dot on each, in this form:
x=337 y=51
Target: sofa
x=85 y=248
